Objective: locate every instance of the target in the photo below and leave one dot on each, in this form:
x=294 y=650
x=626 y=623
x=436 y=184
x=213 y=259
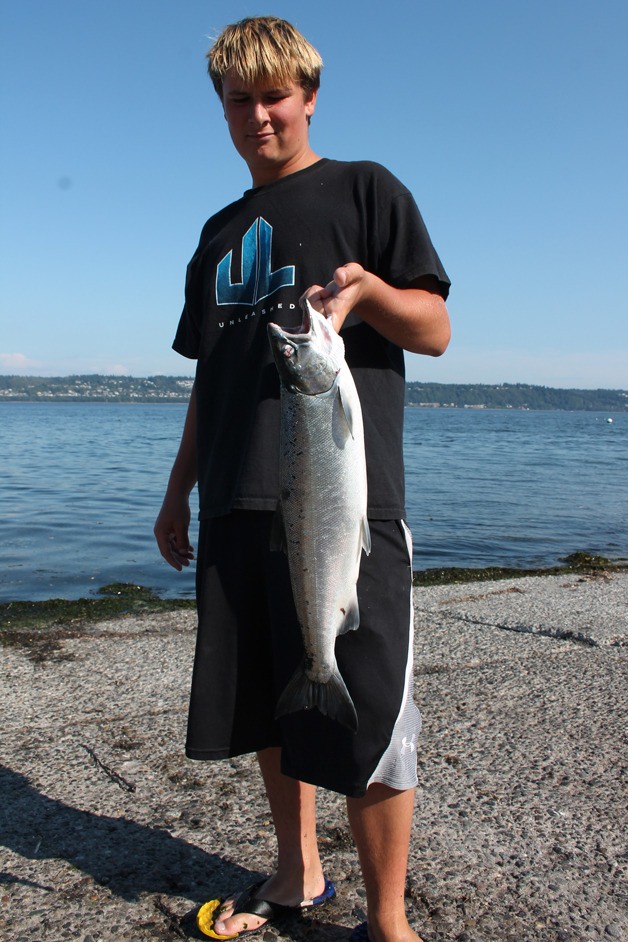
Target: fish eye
x=287 y=350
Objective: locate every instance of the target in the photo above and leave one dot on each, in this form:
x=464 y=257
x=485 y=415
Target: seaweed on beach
x=579 y=563
x=24 y=622
x=22 y=619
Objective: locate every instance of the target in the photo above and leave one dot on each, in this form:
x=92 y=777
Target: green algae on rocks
x=119 y=598
x=580 y=563
x=22 y=622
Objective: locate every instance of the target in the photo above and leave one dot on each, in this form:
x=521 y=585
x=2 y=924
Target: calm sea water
x=82 y=482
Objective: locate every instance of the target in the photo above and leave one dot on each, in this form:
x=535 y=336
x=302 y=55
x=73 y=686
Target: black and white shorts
x=249 y=645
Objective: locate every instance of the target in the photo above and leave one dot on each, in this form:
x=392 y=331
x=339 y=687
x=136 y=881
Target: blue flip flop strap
x=248 y=903
x=328 y=893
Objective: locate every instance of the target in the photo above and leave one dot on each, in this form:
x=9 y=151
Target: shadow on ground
x=128 y=858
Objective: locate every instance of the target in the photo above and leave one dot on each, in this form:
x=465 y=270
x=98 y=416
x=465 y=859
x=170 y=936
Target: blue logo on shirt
x=257 y=281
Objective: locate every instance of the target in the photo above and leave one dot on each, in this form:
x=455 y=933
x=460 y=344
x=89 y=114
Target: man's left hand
x=340 y=296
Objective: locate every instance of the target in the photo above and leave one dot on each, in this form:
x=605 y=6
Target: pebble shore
x=108 y=833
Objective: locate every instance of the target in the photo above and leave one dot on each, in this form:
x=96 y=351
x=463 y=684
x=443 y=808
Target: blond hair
x=264 y=49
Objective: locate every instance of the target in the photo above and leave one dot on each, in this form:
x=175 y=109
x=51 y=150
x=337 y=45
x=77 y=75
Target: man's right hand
x=171 y=532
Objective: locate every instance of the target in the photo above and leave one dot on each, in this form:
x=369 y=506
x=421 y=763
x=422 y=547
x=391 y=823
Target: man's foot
x=253 y=909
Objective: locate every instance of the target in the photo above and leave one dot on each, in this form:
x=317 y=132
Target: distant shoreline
x=176 y=390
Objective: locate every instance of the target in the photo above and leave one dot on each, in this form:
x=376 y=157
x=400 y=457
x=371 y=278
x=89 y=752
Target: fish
x=321 y=520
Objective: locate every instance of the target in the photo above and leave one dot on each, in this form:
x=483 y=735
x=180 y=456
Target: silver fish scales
x=321 y=518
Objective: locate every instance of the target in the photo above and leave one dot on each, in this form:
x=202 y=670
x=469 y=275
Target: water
x=82 y=482
x=514 y=488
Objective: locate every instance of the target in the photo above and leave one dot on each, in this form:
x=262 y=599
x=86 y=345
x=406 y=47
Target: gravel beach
x=521 y=828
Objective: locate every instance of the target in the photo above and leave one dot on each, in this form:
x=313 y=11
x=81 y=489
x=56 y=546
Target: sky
x=506 y=120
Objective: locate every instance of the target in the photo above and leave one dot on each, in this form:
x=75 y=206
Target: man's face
x=268 y=125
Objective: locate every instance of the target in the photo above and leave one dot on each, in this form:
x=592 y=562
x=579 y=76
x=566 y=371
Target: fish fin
x=278 y=532
x=332 y=699
x=346 y=410
x=366 y=536
x=351 y=619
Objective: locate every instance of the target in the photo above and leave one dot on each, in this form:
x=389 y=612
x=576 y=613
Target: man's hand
x=338 y=298
x=415 y=318
x=171 y=532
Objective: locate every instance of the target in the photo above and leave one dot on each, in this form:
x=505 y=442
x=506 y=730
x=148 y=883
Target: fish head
x=308 y=357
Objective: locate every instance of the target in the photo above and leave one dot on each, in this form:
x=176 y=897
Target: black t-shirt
x=255 y=259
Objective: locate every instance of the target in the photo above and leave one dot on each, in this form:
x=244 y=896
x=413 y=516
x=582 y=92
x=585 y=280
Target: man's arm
x=171 y=526
x=414 y=318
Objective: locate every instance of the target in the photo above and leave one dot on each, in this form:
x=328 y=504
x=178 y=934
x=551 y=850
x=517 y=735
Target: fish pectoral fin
x=332 y=699
x=366 y=536
x=351 y=619
x=346 y=410
x=278 y=532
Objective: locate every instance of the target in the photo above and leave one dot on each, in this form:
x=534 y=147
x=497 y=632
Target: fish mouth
x=313 y=324
x=301 y=332
x=307 y=355
x=289 y=339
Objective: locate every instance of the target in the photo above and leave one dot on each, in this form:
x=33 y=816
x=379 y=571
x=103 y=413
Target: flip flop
x=248 y=903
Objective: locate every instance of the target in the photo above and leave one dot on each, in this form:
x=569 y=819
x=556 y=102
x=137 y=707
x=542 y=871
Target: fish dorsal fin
x=347 y=411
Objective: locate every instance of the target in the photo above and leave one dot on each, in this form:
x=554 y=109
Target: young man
x=349 y=237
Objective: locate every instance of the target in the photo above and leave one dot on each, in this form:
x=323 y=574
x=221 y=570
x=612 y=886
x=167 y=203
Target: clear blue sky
x=506 y=120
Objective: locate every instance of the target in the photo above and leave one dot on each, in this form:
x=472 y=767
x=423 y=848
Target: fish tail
x=331 y=698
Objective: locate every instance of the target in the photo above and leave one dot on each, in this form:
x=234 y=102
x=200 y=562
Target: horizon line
x=184 y=376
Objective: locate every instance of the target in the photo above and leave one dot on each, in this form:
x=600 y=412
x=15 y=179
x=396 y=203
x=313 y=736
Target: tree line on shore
x=103 y=388
x=515 y=396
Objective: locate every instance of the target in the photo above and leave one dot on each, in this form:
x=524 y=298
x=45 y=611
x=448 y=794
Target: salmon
x=321 y=516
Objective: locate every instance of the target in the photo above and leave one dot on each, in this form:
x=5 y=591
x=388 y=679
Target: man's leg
x=299 y=873
x=381 y=823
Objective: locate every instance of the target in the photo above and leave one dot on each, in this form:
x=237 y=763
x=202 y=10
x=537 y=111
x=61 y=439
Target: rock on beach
x=108 y=832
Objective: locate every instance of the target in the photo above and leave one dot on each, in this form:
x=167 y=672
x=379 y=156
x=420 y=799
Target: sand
x=521 y=829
